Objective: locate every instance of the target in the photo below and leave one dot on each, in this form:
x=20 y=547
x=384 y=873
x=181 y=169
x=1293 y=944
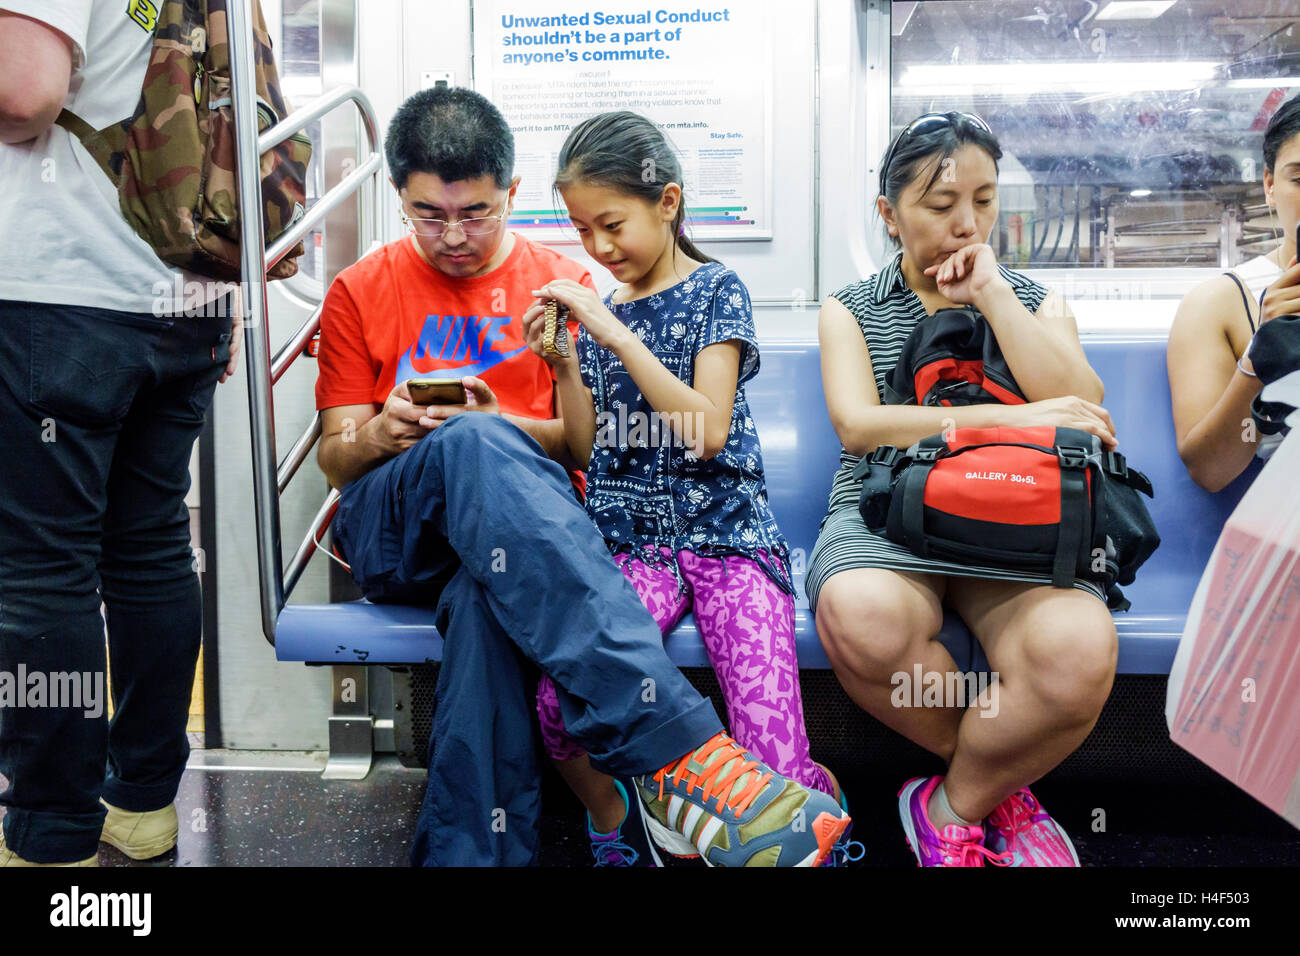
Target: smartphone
x=436 y=391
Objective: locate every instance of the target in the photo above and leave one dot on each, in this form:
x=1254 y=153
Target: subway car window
x=1131 y=130
x=299 y=57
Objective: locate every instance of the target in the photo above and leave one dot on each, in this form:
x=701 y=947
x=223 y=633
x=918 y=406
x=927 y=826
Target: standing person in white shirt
x=104 y=385
x=1211 y=379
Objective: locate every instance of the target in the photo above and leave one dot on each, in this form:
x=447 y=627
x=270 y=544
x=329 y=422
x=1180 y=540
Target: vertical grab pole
x=257 y=338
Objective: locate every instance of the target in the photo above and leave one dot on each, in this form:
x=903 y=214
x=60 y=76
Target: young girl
x=1211 y=379
x=879 y=607
x=679 y=496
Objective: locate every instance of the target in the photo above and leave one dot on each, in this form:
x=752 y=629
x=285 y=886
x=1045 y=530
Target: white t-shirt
x=1258 y=274
x=62 y=236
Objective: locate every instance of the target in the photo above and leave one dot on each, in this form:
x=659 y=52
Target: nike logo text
x=455 y=338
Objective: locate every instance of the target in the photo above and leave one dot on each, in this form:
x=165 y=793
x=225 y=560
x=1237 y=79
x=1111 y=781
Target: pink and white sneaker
x=954 y=846
x=1021 y=830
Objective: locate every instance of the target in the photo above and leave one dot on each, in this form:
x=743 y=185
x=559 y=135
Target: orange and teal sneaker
x=845 y=851
x=722 y=804
x=1020 y=829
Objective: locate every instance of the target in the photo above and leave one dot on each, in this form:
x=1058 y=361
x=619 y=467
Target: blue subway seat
x=800 y=453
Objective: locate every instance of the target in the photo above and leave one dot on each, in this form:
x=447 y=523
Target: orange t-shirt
x=392 y=316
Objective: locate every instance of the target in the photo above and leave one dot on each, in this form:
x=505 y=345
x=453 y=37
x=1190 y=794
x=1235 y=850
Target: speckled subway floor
x=274 y=809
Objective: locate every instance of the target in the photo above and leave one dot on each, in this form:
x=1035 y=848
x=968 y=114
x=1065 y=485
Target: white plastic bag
x=1234 y=691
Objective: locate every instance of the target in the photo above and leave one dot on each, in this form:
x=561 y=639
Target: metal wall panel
x=265 y=704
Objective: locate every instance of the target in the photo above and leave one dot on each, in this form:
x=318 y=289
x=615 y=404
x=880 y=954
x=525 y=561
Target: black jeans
x=99 y=411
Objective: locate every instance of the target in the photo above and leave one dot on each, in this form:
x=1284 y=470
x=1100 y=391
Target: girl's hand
x=1068 y=411
x=585 y=306
x=535 y=327
x=1283 y=296
x=968 y=273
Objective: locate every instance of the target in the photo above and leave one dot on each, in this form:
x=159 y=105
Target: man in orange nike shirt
x=470 y=507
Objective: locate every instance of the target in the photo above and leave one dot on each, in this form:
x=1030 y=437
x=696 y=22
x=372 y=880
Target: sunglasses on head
x=925 y=124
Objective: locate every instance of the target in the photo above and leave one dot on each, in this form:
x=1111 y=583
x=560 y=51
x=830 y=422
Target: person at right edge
x=1212 y=352
x=879 y=608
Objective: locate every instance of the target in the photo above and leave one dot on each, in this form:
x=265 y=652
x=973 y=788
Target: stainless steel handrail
x=252 y=244
x=294 y=347
x=291 y=349
x=314 y=110
x=342 y=190
x=308 y=546
x=274 y=582
x=297 y=454
x=301 y=118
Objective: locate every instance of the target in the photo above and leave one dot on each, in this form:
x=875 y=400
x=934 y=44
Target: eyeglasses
x=437 y=228
x=926 y=123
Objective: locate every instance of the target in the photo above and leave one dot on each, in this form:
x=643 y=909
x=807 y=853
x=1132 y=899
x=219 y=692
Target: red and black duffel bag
x=1045 y=500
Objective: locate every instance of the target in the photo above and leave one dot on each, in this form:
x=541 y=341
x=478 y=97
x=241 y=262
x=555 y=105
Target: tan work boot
x=140 y=835
x=9 y=858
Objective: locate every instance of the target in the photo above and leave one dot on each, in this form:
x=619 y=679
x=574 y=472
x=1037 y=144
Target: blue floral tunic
x=645 y=489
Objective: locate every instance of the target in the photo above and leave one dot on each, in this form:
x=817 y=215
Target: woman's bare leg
x=876 y=624
x=1054 y=653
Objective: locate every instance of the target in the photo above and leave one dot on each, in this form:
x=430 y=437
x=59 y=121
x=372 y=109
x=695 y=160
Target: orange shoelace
x=715 y=755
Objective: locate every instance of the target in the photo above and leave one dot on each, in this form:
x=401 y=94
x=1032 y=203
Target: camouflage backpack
x=174 y=161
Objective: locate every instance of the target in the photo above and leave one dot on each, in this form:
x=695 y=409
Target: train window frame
x=299 y=87
x=1113 y=293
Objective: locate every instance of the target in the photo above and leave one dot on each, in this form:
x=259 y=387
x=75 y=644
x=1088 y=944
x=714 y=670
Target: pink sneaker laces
x=967 y=852
x=1024 y=812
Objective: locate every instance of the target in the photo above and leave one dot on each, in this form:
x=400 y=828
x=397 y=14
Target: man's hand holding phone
x=399 y=424
x=478 y=397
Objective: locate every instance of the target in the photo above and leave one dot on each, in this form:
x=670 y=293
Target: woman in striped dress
x=878 y=607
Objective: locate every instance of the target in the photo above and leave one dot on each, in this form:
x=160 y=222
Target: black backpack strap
x=1115 y=599
x=1245 y=298
x=1269 y=417
x=894 y=397
x=1071 y=534
x=1114 y=465
x=1099 y=525
x=910 y=517
x=887 y=456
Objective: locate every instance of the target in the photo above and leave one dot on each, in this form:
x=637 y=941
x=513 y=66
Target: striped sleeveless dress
x=887 y=310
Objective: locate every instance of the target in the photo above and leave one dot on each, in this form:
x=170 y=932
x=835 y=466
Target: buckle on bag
x=1072 y=457
x=1115 y=464
x=886 y=455
x=926 y=454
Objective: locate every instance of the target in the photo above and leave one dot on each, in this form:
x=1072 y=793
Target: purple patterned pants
x=747 y=624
